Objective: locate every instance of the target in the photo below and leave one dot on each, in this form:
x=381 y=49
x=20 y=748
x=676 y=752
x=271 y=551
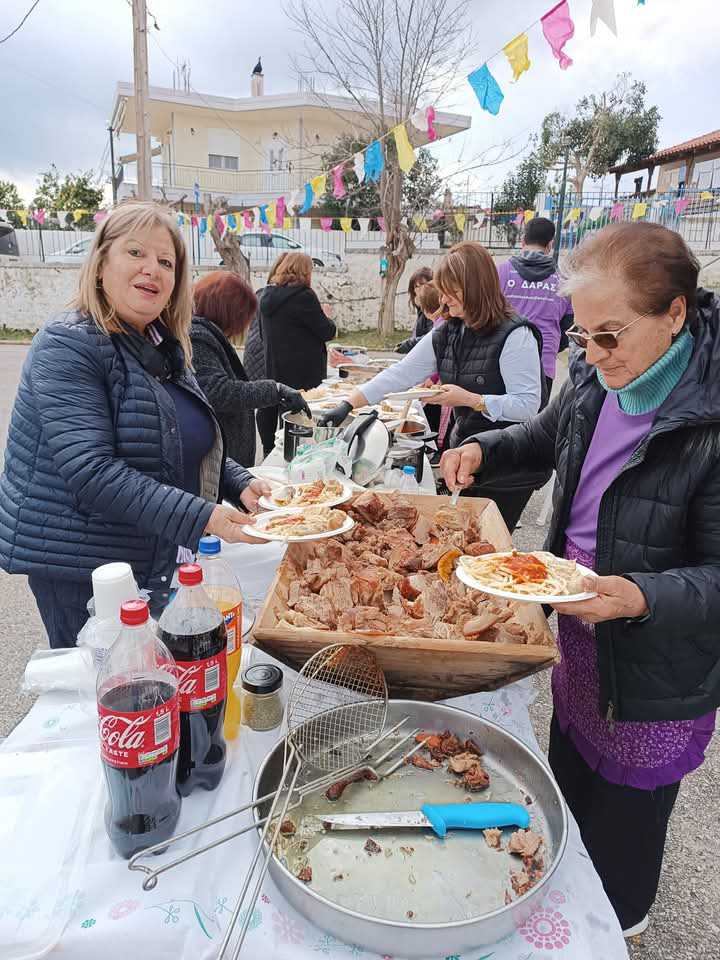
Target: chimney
x=257 y=80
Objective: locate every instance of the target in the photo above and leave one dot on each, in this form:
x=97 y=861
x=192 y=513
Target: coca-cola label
x=201 y=683
x=141 y=738
x=233 y=627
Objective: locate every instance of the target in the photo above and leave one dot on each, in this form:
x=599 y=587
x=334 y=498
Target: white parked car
x=264 y=248
x=72 y=254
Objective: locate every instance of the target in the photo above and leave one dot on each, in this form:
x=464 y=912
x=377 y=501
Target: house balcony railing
x=176 y=177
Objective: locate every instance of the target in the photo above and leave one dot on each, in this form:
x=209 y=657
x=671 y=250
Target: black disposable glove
x=292 y=400
x=334 y=417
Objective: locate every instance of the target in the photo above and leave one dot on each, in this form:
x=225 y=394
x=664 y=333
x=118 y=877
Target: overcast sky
x=59 y=71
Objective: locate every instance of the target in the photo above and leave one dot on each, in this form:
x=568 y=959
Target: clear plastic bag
x=70 y=669
x=316 y=461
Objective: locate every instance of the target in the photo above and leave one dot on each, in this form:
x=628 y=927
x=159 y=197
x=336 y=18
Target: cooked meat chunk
x=287 y=828
x=296 y=590
x=369 y=506
x=372 y=559
x=436 y=601
x=421 y=530
x=293 y=618
x=479 y=547
x=318 y=608
x=363 y=619
x=339 y=594
x=305 y=874
x=462 y=762
x=415 y=608
x=472 y=747
x=371 y=847
x=451 y=518
x=493 y=837
x=525 y=843
x=520 y=882
x=422 y=762
x=404 y=512
x=431 y=553
x=404 y=558
x=366 y=591
x=336 y=790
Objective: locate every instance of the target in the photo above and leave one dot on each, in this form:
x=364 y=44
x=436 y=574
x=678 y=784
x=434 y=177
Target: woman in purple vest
x=634 y=436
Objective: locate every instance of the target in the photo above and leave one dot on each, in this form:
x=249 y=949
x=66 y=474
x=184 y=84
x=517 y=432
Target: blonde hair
x=295 y=268
x=275 y=267
x=91 y=298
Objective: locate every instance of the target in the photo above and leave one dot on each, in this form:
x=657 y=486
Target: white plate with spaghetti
x=416 y=393
x=532 y=577
x=298 y=525
x=319 y=493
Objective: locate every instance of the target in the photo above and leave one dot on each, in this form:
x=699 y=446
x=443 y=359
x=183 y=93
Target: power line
x=13 y=32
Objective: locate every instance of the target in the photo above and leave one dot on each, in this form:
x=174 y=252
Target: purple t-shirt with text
x=539 y=302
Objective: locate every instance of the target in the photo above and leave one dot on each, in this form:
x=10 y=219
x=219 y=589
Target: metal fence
x=695 y=215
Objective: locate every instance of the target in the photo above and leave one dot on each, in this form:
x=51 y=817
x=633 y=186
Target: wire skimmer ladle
x=335 y=717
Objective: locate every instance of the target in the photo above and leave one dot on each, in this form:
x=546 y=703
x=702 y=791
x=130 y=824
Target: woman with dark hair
x=634 y=436
x=421 y=276
x=487 y=360
x=295 y=330
x=223 y=305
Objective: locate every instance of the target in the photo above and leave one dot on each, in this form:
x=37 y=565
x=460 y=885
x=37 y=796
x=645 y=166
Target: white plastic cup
x=113 y=585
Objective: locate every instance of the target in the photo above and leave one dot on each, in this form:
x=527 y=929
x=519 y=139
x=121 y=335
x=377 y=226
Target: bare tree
x=227 y=244
x=389 y=57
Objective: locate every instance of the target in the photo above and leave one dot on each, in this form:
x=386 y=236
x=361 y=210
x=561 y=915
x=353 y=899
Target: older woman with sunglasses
x=634 y=437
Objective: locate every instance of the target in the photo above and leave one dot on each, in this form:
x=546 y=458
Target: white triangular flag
x=62 y=217
x=3 y=214
x=419 y=119
x=295 y=201
x=595 y=214
x=603 y=10
x=364 y=223
x=359 y=166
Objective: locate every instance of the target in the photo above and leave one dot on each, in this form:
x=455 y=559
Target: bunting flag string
x=346 y=224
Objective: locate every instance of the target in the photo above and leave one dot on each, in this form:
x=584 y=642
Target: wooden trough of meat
x=416 y=667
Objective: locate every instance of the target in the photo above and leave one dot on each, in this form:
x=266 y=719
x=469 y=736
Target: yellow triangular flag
x=405 y=152
x=287 y=223
x=346 y=224
x=517 y=53
x=639 y=210
x=78 y=215
x=420 y=222
x=460 y=221
x=22 y=214
x=271 y=213
x=706 y=195
x=318 y=185
x=574 y=214
x=529 y=214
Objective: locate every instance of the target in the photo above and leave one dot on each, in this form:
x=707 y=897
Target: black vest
x=471 y=359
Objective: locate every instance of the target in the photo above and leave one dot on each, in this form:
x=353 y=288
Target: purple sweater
x=535 y=297
x=637 y=754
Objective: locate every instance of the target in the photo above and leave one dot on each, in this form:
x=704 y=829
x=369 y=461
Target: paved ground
x=686 y=918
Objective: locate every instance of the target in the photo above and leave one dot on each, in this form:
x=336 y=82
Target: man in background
x=530 y=284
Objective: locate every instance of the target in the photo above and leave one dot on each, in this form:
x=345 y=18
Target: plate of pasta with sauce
x=537 y=577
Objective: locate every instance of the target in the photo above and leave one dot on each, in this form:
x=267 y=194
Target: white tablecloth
x=102 y=907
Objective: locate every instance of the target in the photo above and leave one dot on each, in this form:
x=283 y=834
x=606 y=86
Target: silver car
x=264 y=248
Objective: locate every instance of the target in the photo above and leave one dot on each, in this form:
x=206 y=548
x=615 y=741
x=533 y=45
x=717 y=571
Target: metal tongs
x=335 y=722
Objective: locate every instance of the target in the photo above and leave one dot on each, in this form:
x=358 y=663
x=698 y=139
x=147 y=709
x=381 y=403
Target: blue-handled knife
x=439 y=817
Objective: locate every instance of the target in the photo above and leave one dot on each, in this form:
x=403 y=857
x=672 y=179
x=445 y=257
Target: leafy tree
x=521 y=187
x=10 y=200
x=419 y=191
x=74 y=192
x=606 y=129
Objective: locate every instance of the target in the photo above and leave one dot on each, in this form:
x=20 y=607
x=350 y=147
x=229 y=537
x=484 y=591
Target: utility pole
x=113 y=178
x=561 y=205
x=142 y=117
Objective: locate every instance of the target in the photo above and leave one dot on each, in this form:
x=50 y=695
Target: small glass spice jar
x=262 y=706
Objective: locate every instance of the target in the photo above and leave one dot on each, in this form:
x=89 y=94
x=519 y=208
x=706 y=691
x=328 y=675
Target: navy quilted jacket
x=92 y=459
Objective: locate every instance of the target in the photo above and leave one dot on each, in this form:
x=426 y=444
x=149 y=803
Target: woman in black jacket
x=223 y=306
x=295 y=330
x=634 y=437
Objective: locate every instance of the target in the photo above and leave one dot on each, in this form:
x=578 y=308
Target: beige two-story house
x=249 y=149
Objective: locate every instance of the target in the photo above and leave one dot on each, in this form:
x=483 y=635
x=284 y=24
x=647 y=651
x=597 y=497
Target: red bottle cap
x=190 y=574
x=134 y=612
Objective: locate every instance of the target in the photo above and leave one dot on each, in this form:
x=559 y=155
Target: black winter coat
x=224 y=382
x=658 y=525
x=94 y=457
x=295 y=331
x=423 y=325
x=254 y=348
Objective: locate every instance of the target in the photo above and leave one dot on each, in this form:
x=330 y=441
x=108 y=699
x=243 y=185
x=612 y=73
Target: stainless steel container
x=296 y=432
x=508 y=760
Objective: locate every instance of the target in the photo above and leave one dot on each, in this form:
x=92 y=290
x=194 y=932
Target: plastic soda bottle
x=223 y=588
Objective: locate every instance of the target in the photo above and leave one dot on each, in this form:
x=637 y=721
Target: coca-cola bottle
x=139 y=726
x=193 y=629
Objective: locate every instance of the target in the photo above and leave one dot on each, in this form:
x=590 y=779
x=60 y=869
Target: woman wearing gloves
x=113 y=452
x=635 y=438
x=487 y=361
x=224 y=305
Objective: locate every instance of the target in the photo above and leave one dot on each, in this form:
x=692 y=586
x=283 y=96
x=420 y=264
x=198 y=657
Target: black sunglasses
x=606 y=340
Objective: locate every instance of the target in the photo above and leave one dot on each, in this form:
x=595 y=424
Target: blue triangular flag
x=374 y=161
x=486 y=89
x=309 y=196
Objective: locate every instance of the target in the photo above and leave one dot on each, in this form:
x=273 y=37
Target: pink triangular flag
x=193 y=221
x=338 y=182
x=381 y=223
x=558 y=28
x=219 y=224
x=618 y=209
x=280 y=211
x=326 y=223
x=682 y=204
x=100 y=216
x=39 y=216
x=431 y=131
x=247 y=219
